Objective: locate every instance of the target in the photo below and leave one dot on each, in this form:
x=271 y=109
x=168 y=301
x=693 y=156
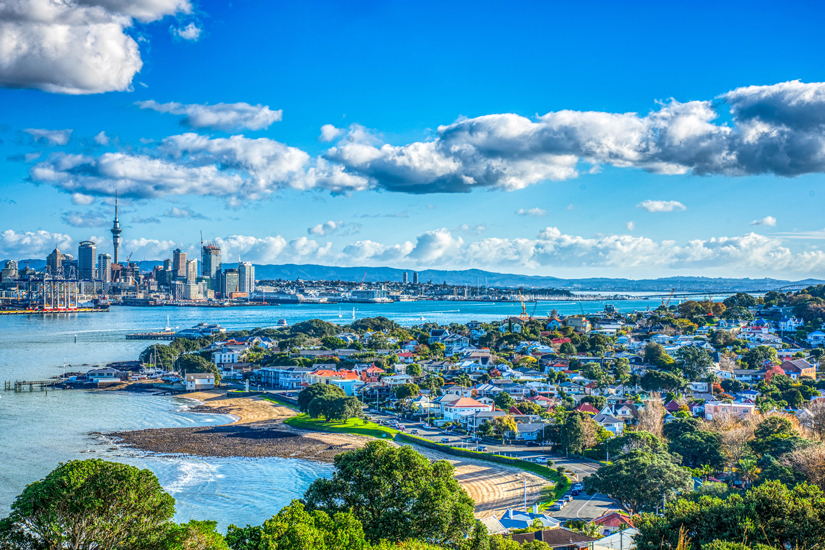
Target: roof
x=467 y=402
x=607 y=419
x=587 y=408
x=796 y=365
x=555 y=537
x=613 y=519
x=200 y=376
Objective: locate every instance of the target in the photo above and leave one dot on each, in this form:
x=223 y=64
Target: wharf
x=162 y=335
x=51 y=311
x=20 y=385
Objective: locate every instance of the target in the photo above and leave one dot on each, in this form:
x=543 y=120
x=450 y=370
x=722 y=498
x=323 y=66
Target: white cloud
x=537 y=212
x=221 y=116
x=74 y=47
x=661 y=206
x=329 y=132
x=91 y=218
x=31 y=244
x=770 y=221
x=273 y=249
x=54 y=137
x=185 y=212
x=190 y=32
x=80 y=198
x=324 y=228
x=101 y=138
x=630 y=226
x=777 y=129
x=476 y=229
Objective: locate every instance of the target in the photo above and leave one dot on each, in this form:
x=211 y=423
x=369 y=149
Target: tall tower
x=116 y=232
x=86 y=261
x=179 y=263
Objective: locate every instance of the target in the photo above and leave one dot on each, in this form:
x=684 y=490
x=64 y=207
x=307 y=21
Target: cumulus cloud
x=770 y=221
x=661 y=206
x=150 y=219
x=190 y=32
x=101 y=138
x=75 y=47
x=273 y=249
x=53 y=137
x=537 y=212
x=778 y=129
x=329 y=132
x=92 y=218
x=184 y=212
x=221 y=116
x=80 y=198
x=630 y=226
x=31 y=244
x=332 y=226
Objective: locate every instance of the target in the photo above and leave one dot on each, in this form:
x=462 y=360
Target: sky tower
x=116 y=232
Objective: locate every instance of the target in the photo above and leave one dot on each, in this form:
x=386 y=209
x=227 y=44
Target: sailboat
x=339 y=312
x=353 y=314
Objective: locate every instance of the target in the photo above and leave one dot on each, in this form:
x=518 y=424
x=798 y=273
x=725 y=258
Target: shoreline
x=259 y=432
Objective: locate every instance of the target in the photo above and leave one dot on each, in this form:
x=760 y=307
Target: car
x=481 y=448
x=541 y=459
x=555 y=507
x=414 y=432
x=575 y=492
x=445 y=440
x=561 y=503
x=567 y=498
x=533 y=444
x=579 y=486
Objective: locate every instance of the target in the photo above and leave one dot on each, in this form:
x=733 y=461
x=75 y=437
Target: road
x=583 y=506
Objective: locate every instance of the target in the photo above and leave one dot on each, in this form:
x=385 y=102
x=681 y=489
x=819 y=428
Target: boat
x=282 y=324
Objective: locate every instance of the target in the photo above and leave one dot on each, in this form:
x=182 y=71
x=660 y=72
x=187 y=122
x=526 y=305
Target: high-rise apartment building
x=229 y=283
x=167 y=265
x=104 y=268
x=179 y=263
x=415 y=277
x=405 y=278
x=86 y=261
x=211 y=265
x=191 y=271
x=246 y=277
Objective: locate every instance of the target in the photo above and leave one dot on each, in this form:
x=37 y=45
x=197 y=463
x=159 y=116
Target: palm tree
x=705 y=471
x=463 y=380
x=713 y=379
x=748 y=470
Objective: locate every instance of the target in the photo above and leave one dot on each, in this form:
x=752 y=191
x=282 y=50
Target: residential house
x=558 y=539
x=554 y=324
x=406 y=357
x=626 y=412
x=578 y=323
x=517 y=519
x=325 y=376
x=527 y=431
x=372 y=374
x=105 y=374
x=816 y=338
x=749 y=375
x=789 y=324
x=741 y=410
x=351 y=386
x=286 y=377
x=198 y=381
x=799 y=368
x=610 y=423
x=397 y=379
x=438 y=335
x=612 y=522
x=461 y=408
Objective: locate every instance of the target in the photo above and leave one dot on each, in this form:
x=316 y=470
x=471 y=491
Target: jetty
x=160 y=335
x=21 y=385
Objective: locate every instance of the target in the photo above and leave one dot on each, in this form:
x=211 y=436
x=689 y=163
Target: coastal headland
x=259 y=431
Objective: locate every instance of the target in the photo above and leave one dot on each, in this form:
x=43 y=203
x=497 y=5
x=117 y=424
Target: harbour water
x=38 y=430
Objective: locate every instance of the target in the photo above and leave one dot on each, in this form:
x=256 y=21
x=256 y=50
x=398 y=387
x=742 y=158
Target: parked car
x=567 y=497
x=579 y=486
x=481 y=448
x=414 y=432
x=541 y=459
x=561 y=503
x=555 y=507
x=533 y=444
x=445 y=440
x=575 y=492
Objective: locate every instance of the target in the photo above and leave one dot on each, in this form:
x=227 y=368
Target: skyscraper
x=86 y=261
x=116 y=233
x=191 y=271
x=405 y=279
x=246 y=277
x=104 y=268
x=179 y=263
x=229 y=282
x=54 y=261
x=415 y=277
x=211 y=262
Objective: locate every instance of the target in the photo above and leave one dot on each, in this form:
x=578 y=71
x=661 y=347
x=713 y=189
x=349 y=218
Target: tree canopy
x=397 y=494
x=317 y=390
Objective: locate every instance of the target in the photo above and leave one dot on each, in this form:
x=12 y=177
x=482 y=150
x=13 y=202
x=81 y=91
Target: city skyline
x=545 y=154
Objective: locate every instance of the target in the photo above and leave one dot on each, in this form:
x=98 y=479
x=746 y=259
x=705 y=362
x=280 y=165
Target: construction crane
x=364 y=281
x=669 y=298
x=535 y=305
x=523 y=306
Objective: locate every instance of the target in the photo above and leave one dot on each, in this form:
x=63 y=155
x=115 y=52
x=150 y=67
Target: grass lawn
x=281 y=402
x=351 y=426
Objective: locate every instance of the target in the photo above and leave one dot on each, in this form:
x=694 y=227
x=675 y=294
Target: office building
x=229 y=284
x=405 y=279
x=86 y=261
x=415 y=277
x=191 y=271
x=104 y=268
x=246 y=277
x=179 y=263
x=54 y=261
x=167 y=265
x=116 y=230
x=9 y=272
x=211 y=265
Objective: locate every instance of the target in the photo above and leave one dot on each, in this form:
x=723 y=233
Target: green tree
x=244 y=538
x=195 y=535
x=323 y=405
x=768 y=514
x=86 y=504
x=699 y=447
x=693 y=362
x=295 y=528
x=316 y=390
x=655 y=380
x=502 y=425
x=622 y=369
x=639 y=479
x=573 y=434
x=632 y=441
x=740 y=299
x=333 y=342
x=504 y=401
x=414 y=369
x=655 y=354
x=314 y=328
x=397 y=494
x=757 y=356
x=567 y=349
x=405 y=391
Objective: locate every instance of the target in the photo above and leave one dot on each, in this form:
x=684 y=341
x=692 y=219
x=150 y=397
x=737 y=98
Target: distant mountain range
x=474 y=277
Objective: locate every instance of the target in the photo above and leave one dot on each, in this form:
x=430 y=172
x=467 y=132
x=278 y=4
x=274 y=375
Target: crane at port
x=669 y=298
x=364 y=281
x=523 y=306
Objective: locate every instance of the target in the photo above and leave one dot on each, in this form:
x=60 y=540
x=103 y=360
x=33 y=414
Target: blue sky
x=576 y=139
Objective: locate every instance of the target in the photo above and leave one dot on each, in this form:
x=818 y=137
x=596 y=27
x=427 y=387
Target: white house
x=105 y=374
x=816 y=338
x=200 y=381
x=226 y=356
x=456 y=411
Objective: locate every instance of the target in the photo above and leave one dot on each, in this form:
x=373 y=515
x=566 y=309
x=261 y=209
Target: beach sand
x=259 y=431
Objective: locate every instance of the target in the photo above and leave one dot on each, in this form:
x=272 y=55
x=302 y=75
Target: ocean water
x=38 y=430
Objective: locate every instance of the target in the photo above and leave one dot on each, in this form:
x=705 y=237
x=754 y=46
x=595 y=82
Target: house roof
x=797 y=365
x=587 y=408
x=607 y=419
x=613 y=519
x=672 y=406
x=555 y=537
x=467 y=402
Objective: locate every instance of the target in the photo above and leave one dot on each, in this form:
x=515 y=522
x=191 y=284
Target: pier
x=161 y=335
x=21 y=385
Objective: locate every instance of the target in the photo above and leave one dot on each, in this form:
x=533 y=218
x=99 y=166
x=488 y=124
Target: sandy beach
x=259 y=431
